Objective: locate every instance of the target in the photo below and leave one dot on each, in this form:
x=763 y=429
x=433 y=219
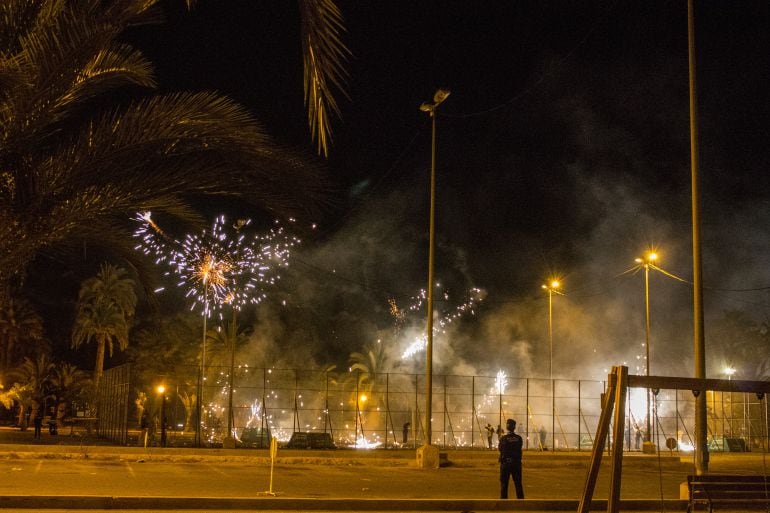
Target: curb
x=289 y=504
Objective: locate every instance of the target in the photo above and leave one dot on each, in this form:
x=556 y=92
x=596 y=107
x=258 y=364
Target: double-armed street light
x=646 y=261
x=430 y=108
x=552 y=287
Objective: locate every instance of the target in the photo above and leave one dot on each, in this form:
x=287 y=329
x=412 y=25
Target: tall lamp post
x=552 y=288
x=162 y=391
x=699 y=336
x=430 y=108
x=646 y=261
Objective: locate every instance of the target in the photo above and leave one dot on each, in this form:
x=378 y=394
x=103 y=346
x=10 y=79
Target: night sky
x=563 y=150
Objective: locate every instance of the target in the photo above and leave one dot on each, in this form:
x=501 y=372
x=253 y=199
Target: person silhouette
x=510 y=447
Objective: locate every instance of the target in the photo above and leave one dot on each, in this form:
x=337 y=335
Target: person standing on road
x=490 y=434
x=405 y=438
x=38 y=422
x=510 y=447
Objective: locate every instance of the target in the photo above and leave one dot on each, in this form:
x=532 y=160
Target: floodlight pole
x=648 y=433
x=699 y=339
x=430 y=108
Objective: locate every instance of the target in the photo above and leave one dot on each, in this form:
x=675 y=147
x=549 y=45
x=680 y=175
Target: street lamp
x=646 y=261
x=430 y=108
x=162 y=391
x=552 y=288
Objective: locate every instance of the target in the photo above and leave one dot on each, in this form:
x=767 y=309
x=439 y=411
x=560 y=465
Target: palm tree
x=21 y=394
x=34 y=374
x=67 y=382
x=77 y=160
x=189 y=402
x=20 y=325
x=105 y=307
x=372 y=361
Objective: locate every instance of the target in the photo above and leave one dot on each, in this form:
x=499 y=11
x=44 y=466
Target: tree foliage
x=739 y=342
x=21 y=330
x=85 y=142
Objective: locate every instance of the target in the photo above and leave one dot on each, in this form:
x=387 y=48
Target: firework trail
x=474 y=297
x=220 y=266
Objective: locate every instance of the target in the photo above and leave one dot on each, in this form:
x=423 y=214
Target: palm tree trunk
x=101 y=344
x=10 y=347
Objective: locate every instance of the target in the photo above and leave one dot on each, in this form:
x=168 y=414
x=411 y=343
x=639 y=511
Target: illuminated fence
x=363 y=410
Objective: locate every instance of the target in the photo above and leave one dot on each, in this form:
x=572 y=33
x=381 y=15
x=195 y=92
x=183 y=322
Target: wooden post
x=621 y=388
x=598 y=447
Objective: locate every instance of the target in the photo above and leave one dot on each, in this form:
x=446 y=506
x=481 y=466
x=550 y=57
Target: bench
x=730 y=490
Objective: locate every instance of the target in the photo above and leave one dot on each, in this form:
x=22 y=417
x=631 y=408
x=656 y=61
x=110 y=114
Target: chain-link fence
x=386 y=410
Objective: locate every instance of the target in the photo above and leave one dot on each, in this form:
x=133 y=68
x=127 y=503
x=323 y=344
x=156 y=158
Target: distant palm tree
x=372 y=361
x=20 y=325
x=367 y=365
x=189 y=402
x=67 y=383
x=17 y=394
x=84 y=145
x=34 y=373
x=105 y=307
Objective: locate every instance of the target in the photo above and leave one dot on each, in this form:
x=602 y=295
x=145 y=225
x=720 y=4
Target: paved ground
x=42 y=472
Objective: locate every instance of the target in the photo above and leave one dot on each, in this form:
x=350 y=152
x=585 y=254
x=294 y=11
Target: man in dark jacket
x=510 y=447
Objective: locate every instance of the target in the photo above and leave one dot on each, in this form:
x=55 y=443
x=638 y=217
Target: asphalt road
x=132 y=477
x=321 y=479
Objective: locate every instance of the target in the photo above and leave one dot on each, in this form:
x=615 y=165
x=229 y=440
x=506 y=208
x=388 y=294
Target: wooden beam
x=676 y=383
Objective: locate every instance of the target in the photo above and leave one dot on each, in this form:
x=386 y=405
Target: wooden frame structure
x=613 y=406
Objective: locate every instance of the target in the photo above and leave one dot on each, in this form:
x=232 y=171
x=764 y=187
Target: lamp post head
x=161 y=389
x=647 y=259
x=551 y=286
x=438 y=98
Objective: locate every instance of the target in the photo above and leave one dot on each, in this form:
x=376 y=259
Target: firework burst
x=221 y=266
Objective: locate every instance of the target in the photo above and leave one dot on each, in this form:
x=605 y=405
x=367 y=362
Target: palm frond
x=63 y=67
x=74 y=172
x=324 y=55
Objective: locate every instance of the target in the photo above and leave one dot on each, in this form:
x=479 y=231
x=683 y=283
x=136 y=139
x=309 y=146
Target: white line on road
x=218 y=471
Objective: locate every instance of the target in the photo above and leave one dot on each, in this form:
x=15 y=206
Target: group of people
x=38 y=422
